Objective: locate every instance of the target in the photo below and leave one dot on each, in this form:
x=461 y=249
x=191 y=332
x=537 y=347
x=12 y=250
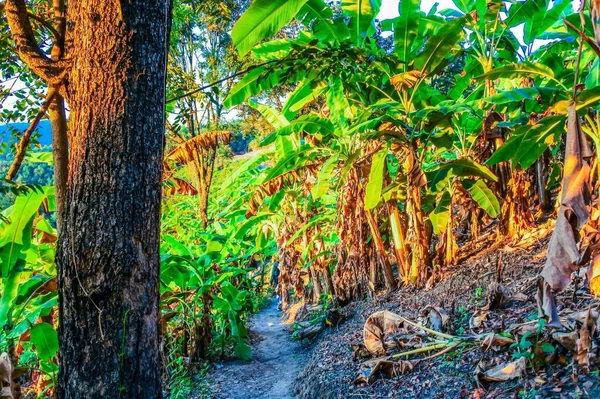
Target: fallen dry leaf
x=496 y=340
x=477 y=319
x=504 y=372
x=359 y=351
x=376 y=327
x=584 y=342
x=387 y=367
x=566 y=339
x=9 y=388
x=435 y=318
x=518 y=297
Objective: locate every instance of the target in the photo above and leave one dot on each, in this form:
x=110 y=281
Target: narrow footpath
x=276 y=362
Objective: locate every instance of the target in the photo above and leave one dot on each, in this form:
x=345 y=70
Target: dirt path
x=276 y=362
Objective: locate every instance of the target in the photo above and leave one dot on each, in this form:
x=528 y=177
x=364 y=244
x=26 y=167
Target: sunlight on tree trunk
x=108 y=259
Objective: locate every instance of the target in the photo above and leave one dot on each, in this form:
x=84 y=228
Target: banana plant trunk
x=328 y=280
x=446 y=247
x=502 y=170
x=381 y=256
x=516 y=214
x=418 y=237
x=324 y=269
x=202 y=330
x=285 y=278
x=351 y=275
x=373 y=269
x=399 y=241
x=451 y=249
x=201 y=171
x=541 y=181
x=316 y=284
x=475 y=221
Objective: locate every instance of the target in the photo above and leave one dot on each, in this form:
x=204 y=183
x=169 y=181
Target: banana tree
x=517 y=87
x=334 y=159
x=309 y=170
x=28 y=284
x=328 y=61
x=201 y=312
x=424 y=44
x=198 y=153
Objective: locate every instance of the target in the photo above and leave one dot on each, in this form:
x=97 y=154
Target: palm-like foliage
x=378 y=121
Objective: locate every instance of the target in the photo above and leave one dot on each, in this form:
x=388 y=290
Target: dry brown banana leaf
x=385 y=367
x=377 y=326
x=563 y=251
x=9 y=390
x=504 y=372
x=187 y=151
x=435 y=318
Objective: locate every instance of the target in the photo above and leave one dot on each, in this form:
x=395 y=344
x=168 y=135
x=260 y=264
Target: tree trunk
x=58 y=118
x=60 y=153
x=398 y=240
x=108 y=253
x=316 y=283
x=417 y=236
x=388 y=274
x=541 y=179
x=328 y=280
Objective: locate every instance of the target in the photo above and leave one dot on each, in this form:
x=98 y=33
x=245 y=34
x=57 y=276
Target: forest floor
x=327 y=366
x=276 y=361
x=461 y=291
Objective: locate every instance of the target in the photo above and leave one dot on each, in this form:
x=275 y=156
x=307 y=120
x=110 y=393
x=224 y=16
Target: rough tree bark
x=108 y=260
x=113 y=77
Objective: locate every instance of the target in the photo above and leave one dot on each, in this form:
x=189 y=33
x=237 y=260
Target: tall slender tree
x=202 y=55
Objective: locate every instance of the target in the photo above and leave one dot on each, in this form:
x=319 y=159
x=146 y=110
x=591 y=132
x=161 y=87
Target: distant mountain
x=239 y=143
x=44 y=130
